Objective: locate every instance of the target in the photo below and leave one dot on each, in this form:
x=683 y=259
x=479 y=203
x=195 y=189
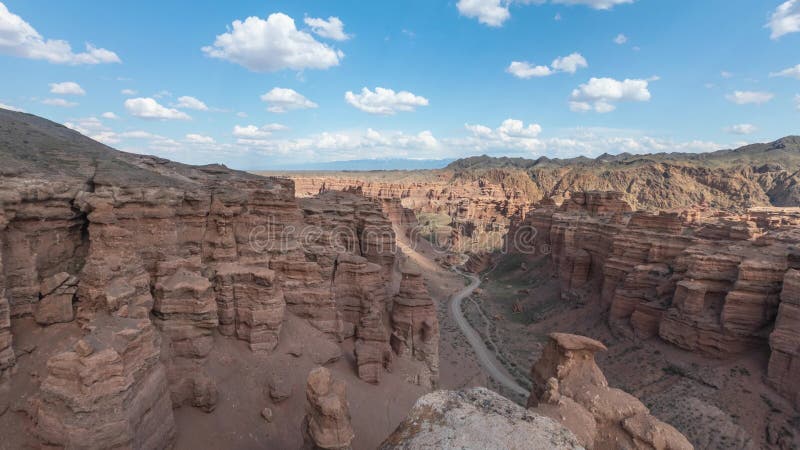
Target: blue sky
x=427 y=78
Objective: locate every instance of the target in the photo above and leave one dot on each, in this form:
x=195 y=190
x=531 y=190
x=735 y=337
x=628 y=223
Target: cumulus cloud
x=187 y=102
x=495 y=12
x=333 y=28
x=384 y=101
x=199 y=139
x=511 y=134
x=109 y=115
x=742 y=129
x=60 y=102
x=749 y=97
x=271 y=45
x=488 y=12
x=67 y=88
x=128 y=92
x=10 y=107
x=349 y=145
x=785 y=19
x=792 y=72
x=601 y=94
x=256 y=132
x=93 y=128
x=281 y=100
x=19 y=38
x=620 y=39
x=149 y=108
x=569 y=64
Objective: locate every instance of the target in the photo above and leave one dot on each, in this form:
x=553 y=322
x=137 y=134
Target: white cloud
x=384 y=101
x=255 y=132
x=601 y=94
x=19 y=38
x=785 y=19
x=742 y=129
x=620 y=39
x=272 y=45
x=187 y=102
x=749 y=97
x=59 y=102
x=241 y=114
x=488 y=12
x=67 y=88
x=281 y=100
x=569 y=64
x=726 y=74
x=495 y=12
x=349 y=145
x=10 y=107
x=94 y=129
x=333 y=28
x=524 y=70
x=140 y=134
x=128 y=92
x=511 y=134
x=199 y=139
x=793 y=72
x=797 y=101
x=109 y=115
x=149 y=108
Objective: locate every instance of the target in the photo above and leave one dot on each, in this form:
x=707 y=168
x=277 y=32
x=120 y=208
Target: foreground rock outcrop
x=570 y=388
x=327 y=423
x=476 y=418
x=109 y=392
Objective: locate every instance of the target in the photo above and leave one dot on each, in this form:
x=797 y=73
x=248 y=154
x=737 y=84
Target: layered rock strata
x=111 y=391
x=327 y=424
x=711 y=282
x=415 y=326
x=570 y=388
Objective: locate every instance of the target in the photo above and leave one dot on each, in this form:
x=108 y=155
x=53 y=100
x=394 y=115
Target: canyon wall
x=707 y=281
x=155 y=261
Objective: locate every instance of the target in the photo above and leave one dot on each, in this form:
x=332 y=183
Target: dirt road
x=485 y=356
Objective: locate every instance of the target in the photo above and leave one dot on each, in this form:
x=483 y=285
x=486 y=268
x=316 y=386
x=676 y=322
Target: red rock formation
x=110 y=392
x=706 y=282
x=327 y=424
x=570 y=388
x=415 y=326
x=361 y=296
x=7 y=357
x=784 y=362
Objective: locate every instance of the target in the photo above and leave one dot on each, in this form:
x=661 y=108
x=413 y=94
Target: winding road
x=485 y=356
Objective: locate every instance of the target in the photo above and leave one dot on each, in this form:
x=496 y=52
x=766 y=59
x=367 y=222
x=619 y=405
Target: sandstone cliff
x=707 y=281
x=156 y=261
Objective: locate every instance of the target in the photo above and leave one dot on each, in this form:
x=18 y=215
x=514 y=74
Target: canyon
x=146 y=303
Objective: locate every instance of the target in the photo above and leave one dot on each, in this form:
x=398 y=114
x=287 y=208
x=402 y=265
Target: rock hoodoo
x=327 y=421
x=569 y=388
